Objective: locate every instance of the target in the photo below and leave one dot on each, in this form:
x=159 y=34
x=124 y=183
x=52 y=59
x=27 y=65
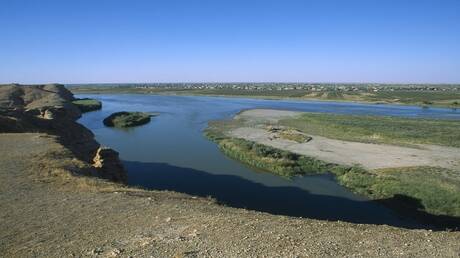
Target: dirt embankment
x=49 y=109
x=370 y=156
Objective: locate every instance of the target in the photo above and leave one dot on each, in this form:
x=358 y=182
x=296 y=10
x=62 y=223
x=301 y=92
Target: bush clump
x=280 y=162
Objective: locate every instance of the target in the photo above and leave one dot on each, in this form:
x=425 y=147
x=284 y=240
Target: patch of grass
x=277 y=161
x=378 y=129
x=334 y=95
x=438 y=189
x=294 y=135
x=259 y=157
x=58 y=166
x=410 y=96
x=127 y=119
x=435 y=98
x=87 y=105
x=250 y=93
x=280 y=162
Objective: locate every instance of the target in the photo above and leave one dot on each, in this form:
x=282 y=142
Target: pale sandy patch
x=266 y=115
x=371 y=156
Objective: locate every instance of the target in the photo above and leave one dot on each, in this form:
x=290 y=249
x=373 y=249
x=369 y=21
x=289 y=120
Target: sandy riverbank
x=370 y=156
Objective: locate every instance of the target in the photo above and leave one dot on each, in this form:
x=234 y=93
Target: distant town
x=315 y=87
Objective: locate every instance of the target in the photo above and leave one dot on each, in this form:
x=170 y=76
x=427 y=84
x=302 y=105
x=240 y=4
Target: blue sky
x=408 y=41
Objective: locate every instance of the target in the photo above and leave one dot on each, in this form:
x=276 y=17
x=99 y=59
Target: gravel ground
x=47 y=212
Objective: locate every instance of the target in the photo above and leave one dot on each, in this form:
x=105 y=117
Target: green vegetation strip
x=426 y=97
x=373 y=129
x=428 y=193
x=436 y=189
x=280 y=162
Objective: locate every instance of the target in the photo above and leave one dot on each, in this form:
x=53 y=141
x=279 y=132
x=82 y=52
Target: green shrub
x=127 y=119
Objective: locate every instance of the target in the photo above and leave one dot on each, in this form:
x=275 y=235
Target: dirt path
x=371 y=156
x=46 y=213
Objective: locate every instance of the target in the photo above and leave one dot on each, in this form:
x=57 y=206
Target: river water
x=171 y=153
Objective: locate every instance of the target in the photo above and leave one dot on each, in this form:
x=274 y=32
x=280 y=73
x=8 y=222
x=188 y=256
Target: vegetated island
x=125 y=119
x=412 y=165
x=87 y=105
x=424 y=95
x=52 y=168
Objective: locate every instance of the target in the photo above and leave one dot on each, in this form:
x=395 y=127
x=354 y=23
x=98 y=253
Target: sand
x=371 y=156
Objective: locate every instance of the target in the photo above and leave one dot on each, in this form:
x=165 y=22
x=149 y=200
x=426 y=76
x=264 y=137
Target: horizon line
x=240 y=82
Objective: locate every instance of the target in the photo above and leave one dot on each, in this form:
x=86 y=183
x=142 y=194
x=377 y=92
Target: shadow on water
x=413 y=207
x=238 y=192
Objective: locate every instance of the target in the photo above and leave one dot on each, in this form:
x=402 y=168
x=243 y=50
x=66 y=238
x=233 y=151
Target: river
x=171 y=153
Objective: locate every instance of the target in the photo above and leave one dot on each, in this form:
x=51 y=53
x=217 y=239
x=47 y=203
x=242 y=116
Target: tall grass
x=439 y=193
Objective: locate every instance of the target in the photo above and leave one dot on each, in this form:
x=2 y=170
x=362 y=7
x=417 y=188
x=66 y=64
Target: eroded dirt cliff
x=49 y=109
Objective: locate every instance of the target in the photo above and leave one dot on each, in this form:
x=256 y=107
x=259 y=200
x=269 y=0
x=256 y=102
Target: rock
x=97 y=251
x=108 y=164
x=48 y=114
x=194 y=233
x=48 y=109
x=115 y=252
x=35 y=97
